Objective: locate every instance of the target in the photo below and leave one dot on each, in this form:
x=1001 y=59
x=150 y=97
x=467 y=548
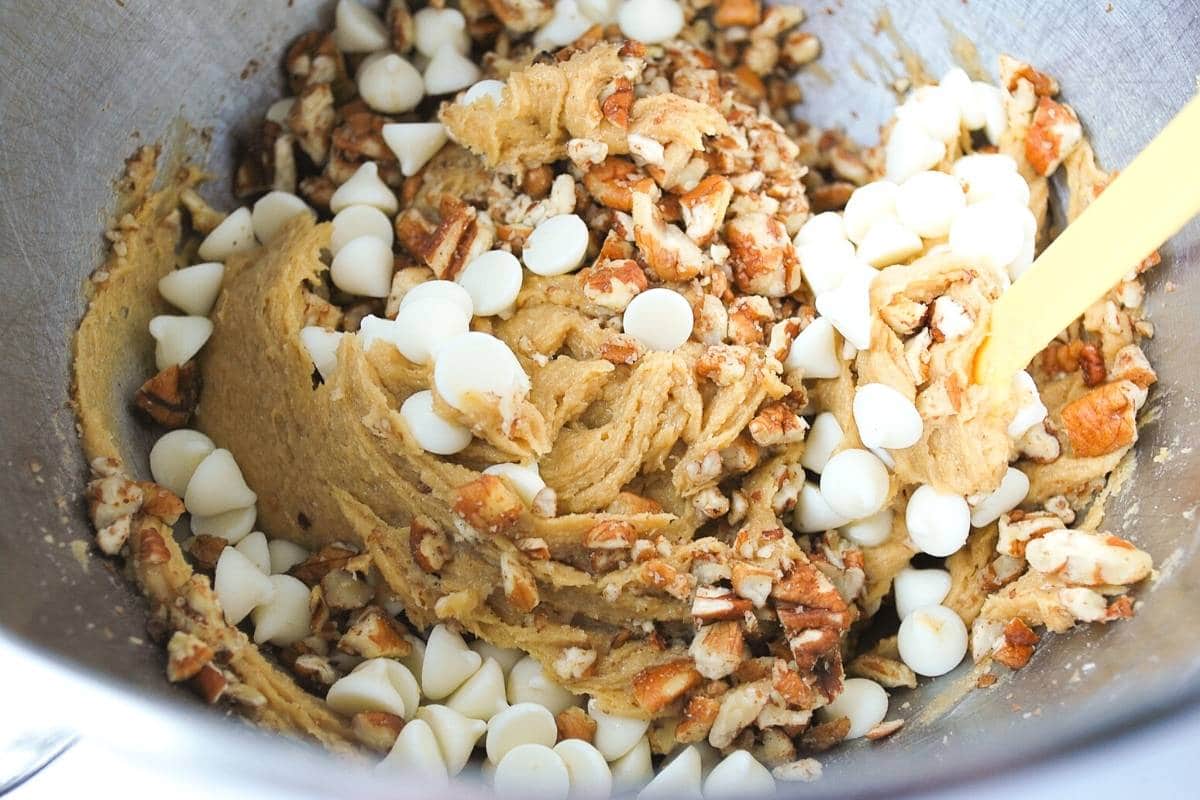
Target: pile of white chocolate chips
x=680 y=212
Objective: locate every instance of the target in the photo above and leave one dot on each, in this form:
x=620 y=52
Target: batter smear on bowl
x=556 y=394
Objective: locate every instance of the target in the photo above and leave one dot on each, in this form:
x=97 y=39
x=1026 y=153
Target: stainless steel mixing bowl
x=83 y=84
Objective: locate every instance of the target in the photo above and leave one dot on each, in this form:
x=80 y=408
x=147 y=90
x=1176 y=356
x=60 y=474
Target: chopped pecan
x=575 y=723
x=1015 y=648
x=743 y=13
x=315 y=670
x=537 y=182
x=716 y=603
x=884 y=729
x=630 y=503
x=400 y=22
x=740 y=706
x=718 y=649
x=522 y=16
x=210 y=683
x=330 y=557
x=610 y=534
x=429 y=544
x=704 y=208
x=887 y=672
x=314 y=59
x=698 y=717
x=376 y=730
x=722 y=364
x=573 y=663
x=612 y=284
x=657 y=687
x=534 y=548
x=622 y=349
x=1088 y=559
x=761 y=255
x=776 y=424
x=488 y=505
x=205 y=550
x=820 y=738
x=831 y=196
x=170 y=397
x=609 y=183
x=345 y=591
x=375 y=635
x=186 y=656
x=806 y=585
x=1130 y=364
x=311 y=120
x=748 y=316
x=520 y=588
x=1053 y=134
x=159 y=501
x=461 y=235
x=752 y=582
x=1103 y=420
x=665 y=248
x=659 y=574
x=617 y=105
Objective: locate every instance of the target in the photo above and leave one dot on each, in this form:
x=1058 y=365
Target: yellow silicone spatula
x=1144 y=206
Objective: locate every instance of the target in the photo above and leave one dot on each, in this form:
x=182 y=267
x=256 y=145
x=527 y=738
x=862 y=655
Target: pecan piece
x=186 y=656
x=610 y=534
x=429 y=544
x=1103 y=420
x=575 y=723
x=1015 y=647
x=170 y=397
x=698 y=717
x=704 y=208
x=655 y=688
x=488 y=505
x=375 y=635
x=715 y=603
x=616 y=106
x=1054 y=132
x=376 y=730
x=520 y=588
x=718 y=649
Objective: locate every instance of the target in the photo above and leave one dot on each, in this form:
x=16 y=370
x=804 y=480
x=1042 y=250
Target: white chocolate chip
x=193 y=289
x=813 y=513
x=493 y=280
x=528 y=683
x=988 y=101
x=284 y=555
x=279 y=111
x=990 y=234
x=482 y=696
x=661 y=319
x=177 y=339
x=910 y=149
x=389 y=84
x=525 y=479
x=456 y=734
x=738 y=776
x=448 y=663
x=366 y=188
x=824 y=227
x=322 y=346
x=888 y=242
x=377 y=684
x=417 y=755
x=520 y=723
x=824 y=263
x=916 y=588
x=363 y=267
x=615 y=735
x=284 y=619
x=935 y=110
x=677 y=779
x=449 y=71
x=274 y=210
x=239 y=585
x=234 y=235
x=355 y=221
x=414 y=143
x=854 y=483
x=869 y=205
x=932 y=640
x=813 y=352
x=358 y=30
x=474 y=365
x=506 y=657
x=870 y=531
x=1007 y=496
x=488 y=88
x=928 y=202
x=633 y=770
x=823 y=438
x=566 y=25
x=433 y=27
x=448 y=291
x=863 y=702
x=650 y=21
x=433 y=433
x=415 y=660
x=991 y=176
x=175 y=457
x=957 y=84
x=602 y=12
x=423 y=327
x=217 y=486
x=590 y=776
x=848 y=307
x=531 y=772
x=231 y=526
x=556 y=246
x=938 y=522
x=885 y=417
x=254 y=547
x=1030 y=411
